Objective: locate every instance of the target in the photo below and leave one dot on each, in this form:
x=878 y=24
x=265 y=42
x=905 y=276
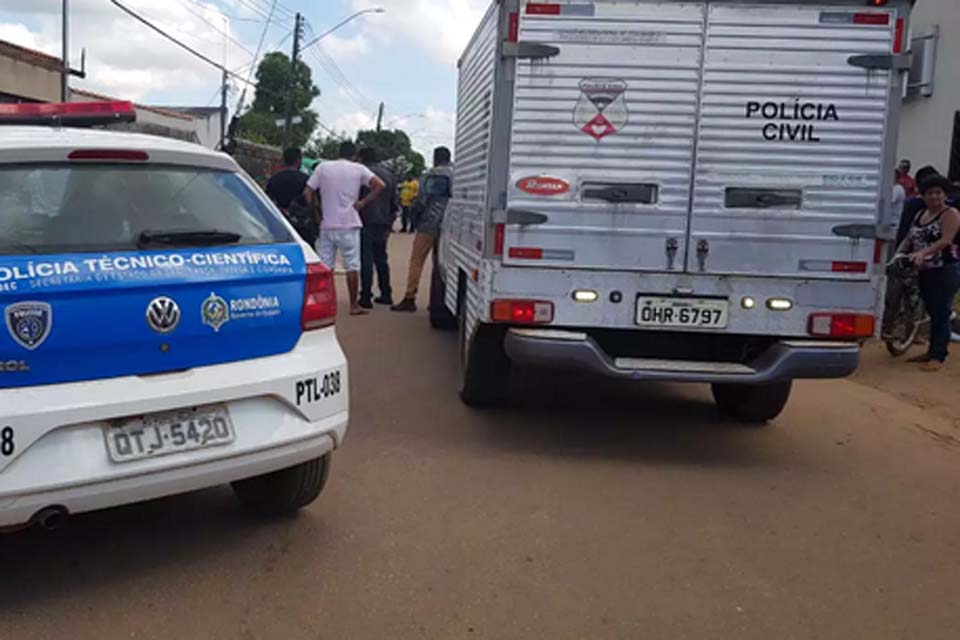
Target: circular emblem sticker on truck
x=602 y=107
x=543 y=186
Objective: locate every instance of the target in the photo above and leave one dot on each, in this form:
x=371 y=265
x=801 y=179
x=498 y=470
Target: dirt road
x=589 y=510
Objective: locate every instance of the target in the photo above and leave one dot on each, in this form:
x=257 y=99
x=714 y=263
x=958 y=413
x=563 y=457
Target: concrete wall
x=208 y=130
x=926 y=130
x=28 y=81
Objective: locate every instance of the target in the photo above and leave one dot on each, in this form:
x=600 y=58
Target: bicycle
x=910 y=316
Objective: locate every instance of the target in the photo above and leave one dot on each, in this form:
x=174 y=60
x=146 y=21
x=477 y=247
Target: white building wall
x=926 y=131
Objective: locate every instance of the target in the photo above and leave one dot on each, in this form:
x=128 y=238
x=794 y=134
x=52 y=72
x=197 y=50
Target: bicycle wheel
x=905 y=328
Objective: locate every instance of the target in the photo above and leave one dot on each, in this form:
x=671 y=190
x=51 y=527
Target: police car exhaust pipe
x=50 y=518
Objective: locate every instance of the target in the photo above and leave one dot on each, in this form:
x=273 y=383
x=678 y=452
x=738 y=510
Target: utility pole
x=223 y=110
x=293 y=70
x=380 y=116
x=65 y=68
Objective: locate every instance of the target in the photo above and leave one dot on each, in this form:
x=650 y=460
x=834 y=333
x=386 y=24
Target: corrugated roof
x=158 y=110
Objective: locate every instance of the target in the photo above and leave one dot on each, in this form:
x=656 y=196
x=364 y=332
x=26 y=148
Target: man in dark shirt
x=378 y=218
x=286 y=187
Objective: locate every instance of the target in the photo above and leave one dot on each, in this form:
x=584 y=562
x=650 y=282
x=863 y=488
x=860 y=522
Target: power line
x=258 y=9
x=216 y=28
x=281 y=7
x=256 y=55
x=339 y=77
x=136 y=16
x=231 y=17
x=349 y=91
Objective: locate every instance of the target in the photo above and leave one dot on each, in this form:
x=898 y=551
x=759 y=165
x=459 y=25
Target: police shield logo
x=215 y=312
x=602 y=107
x=29 y=323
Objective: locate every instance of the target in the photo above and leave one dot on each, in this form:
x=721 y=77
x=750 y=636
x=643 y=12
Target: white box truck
x=672 y=190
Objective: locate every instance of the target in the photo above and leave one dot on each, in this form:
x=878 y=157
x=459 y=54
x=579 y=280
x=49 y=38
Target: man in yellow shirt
x=409 y=191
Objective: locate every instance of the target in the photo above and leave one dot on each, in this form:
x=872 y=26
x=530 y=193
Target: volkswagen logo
x=163 y=314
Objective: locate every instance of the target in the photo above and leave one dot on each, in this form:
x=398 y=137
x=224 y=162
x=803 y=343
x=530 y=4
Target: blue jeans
x=938 y=287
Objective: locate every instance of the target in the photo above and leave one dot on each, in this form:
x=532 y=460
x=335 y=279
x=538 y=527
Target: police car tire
x=752 y=404
x=285 y=491
x=440 y=316
x=484 y=367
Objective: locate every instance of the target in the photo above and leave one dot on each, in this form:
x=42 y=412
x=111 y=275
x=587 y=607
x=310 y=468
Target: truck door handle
x=631 y=193
x=855 y=231
x=886 y=61
x=751 y=198
x=529 y=50
x=525 y=217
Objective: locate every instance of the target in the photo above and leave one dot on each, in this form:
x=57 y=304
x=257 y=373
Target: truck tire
x=285 y=491
x=484 y=366
x=440 y=316
x=754 y=404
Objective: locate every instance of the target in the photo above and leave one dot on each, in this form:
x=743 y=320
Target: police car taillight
x=319 y=298
x=67 y=113
x=124 y=155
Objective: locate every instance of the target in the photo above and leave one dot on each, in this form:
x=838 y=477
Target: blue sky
x=405 y=57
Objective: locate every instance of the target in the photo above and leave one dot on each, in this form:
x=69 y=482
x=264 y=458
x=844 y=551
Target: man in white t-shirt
x=339 y=183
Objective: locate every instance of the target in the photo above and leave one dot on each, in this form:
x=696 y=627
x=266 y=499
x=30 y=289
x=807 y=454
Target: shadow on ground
x=106 y=550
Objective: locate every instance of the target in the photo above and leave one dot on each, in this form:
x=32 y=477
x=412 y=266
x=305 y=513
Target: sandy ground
x=587 y=510
x=936 y=393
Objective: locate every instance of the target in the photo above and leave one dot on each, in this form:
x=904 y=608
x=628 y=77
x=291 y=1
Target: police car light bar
x=76 y=114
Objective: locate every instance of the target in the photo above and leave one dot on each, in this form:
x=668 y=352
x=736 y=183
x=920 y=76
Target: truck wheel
x=285 y=491
x=754 y=404
x=484 y=366
x=440 y=316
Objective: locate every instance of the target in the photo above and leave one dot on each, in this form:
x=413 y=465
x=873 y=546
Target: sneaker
x=384 y=300
x=407 y=304
x=365 y=304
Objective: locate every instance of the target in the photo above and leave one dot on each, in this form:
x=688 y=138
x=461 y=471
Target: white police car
x=164 y=330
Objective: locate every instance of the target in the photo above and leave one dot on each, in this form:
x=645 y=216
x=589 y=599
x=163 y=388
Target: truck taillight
x=522 y=311
x=898 y=36
x=848 y=267
x=840 y=325
x=319 y=298
x=871 y=18
x=499 y=236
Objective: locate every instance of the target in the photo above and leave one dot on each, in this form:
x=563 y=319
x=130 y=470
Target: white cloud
x=440 y=27
x=339 y=48
x=427 y=130
x=19 y=34
x=125 y=59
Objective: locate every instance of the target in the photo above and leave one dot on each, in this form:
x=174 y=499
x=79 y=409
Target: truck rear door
x=791 y=138
x=603 y=134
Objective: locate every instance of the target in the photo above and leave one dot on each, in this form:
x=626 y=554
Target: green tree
x=325 y=147
x=280 y=88
x=394 y=150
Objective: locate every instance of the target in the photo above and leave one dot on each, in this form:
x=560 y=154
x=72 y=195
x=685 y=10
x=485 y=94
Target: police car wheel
x=752 y=404
x=285 y=491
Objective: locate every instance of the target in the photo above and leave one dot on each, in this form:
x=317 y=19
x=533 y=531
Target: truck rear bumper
x=786 y=360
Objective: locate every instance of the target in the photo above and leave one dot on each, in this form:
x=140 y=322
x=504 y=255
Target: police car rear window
x=66 y=208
